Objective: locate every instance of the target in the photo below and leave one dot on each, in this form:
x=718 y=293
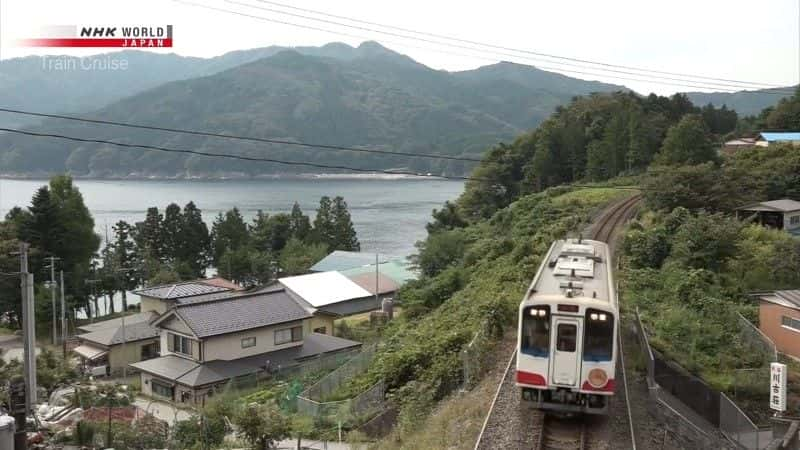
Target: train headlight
x=593 y=316
x=542 y=313
x=603 y=317
x=598 y=378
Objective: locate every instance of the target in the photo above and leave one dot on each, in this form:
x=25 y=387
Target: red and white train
x=568 y=326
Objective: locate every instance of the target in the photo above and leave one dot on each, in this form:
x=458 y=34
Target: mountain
x=59 y=83
x=335 y=94
x=746 y=103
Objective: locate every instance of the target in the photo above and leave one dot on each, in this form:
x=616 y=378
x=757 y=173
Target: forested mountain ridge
x=365 y=96
x=746 y=103
x=60 y=83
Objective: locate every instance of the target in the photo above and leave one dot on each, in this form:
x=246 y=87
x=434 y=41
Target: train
x=568 y=330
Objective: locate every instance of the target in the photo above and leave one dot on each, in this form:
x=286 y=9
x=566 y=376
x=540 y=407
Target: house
x=332 y=293
x=109 y=346
x=734 y=145
x=161 y=298
x=779 y=319
x=340 y=260
x=335 y=294
x=207 y=341
x=781 y=214
x=767 y=138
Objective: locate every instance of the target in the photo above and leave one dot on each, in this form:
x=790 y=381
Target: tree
x=344 y=232
x=270 y=233
x=324 y=226
x=10 y=300
x=687 y=142
x=786 y=115
x=299 y=223
x=149 y=236
x=171 y=230
x=262 y=425
x=447 y=218
x=440 y=251
x=228 y=233
x=123 y=261
x=297 y=256
x=194 y=241
x=247 y=266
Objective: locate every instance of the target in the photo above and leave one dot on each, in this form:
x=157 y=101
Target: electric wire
x=236 y=137
x=238 y=157
x=500 y=47
x=712 y=84
x=738 y=89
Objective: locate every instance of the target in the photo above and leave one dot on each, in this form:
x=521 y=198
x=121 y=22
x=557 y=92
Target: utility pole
x=63 y=318
x=28 y=328
x=52 y=267
x=377 y=273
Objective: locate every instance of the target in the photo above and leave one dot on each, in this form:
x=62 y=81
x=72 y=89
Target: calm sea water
x=389 y=214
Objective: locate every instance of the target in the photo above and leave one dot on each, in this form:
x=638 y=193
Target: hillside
x=57 y=83
x=364 y=96
x=746 y=103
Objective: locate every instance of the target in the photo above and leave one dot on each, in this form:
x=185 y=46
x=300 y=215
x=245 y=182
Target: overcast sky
x=742 y=40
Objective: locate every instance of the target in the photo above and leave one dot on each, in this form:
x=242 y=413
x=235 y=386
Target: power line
x=712 y=84
x=467 y=41
x=237 y=137
x=276 y=161
x=649 y=79
x=554 y=69
x=239 y=157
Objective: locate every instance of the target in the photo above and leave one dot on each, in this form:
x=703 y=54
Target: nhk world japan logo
x=101 y=36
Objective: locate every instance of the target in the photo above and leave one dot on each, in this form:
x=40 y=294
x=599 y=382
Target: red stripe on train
x=533 y=379
x=609 y=387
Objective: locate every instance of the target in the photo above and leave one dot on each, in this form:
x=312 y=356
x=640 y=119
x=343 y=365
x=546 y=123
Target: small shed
x=779 y=319
x=782 y=214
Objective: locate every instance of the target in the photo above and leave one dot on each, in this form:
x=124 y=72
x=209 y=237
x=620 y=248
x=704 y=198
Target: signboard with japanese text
x=777 y=386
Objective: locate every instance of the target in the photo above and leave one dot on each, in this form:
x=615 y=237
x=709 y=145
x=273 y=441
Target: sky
x=738 y=40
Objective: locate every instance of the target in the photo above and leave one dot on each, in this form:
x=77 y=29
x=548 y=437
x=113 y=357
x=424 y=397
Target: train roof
x=575 y=268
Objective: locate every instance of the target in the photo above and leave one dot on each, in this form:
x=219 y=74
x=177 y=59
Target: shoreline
x=233 y=177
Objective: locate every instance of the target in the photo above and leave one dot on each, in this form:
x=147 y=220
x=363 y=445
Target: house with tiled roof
x=108 y=346
x=207 y=340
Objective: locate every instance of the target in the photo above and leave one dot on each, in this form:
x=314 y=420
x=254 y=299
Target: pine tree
x=344 y=232
x=324 y=225
x=299 y=223
x=123 y=261
x=194 y=241
x=228 y=233
x=171 y=229
x=149 y=236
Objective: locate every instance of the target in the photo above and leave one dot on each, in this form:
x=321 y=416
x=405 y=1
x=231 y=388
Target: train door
x=566 y=361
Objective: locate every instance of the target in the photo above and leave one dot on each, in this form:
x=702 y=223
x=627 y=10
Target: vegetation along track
x=510 y=424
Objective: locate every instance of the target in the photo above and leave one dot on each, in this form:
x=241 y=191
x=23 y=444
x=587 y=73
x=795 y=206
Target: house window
x=794 y=220
x=294 y=334
x=791 y=323
x=181 y=344
x=248 y=342
x=161 y=390
x=321 y=330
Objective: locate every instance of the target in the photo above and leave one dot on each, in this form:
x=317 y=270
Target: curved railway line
x=510 y=424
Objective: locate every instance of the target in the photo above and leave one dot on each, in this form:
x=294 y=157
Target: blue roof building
x=767 y=138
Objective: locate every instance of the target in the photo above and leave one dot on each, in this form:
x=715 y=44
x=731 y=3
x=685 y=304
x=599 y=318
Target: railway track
x=510 y=424
x=613 y=217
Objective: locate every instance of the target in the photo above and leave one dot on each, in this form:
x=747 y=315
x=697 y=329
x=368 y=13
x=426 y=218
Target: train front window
x=598 y=344
x=567 y=335
x=536 y=331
